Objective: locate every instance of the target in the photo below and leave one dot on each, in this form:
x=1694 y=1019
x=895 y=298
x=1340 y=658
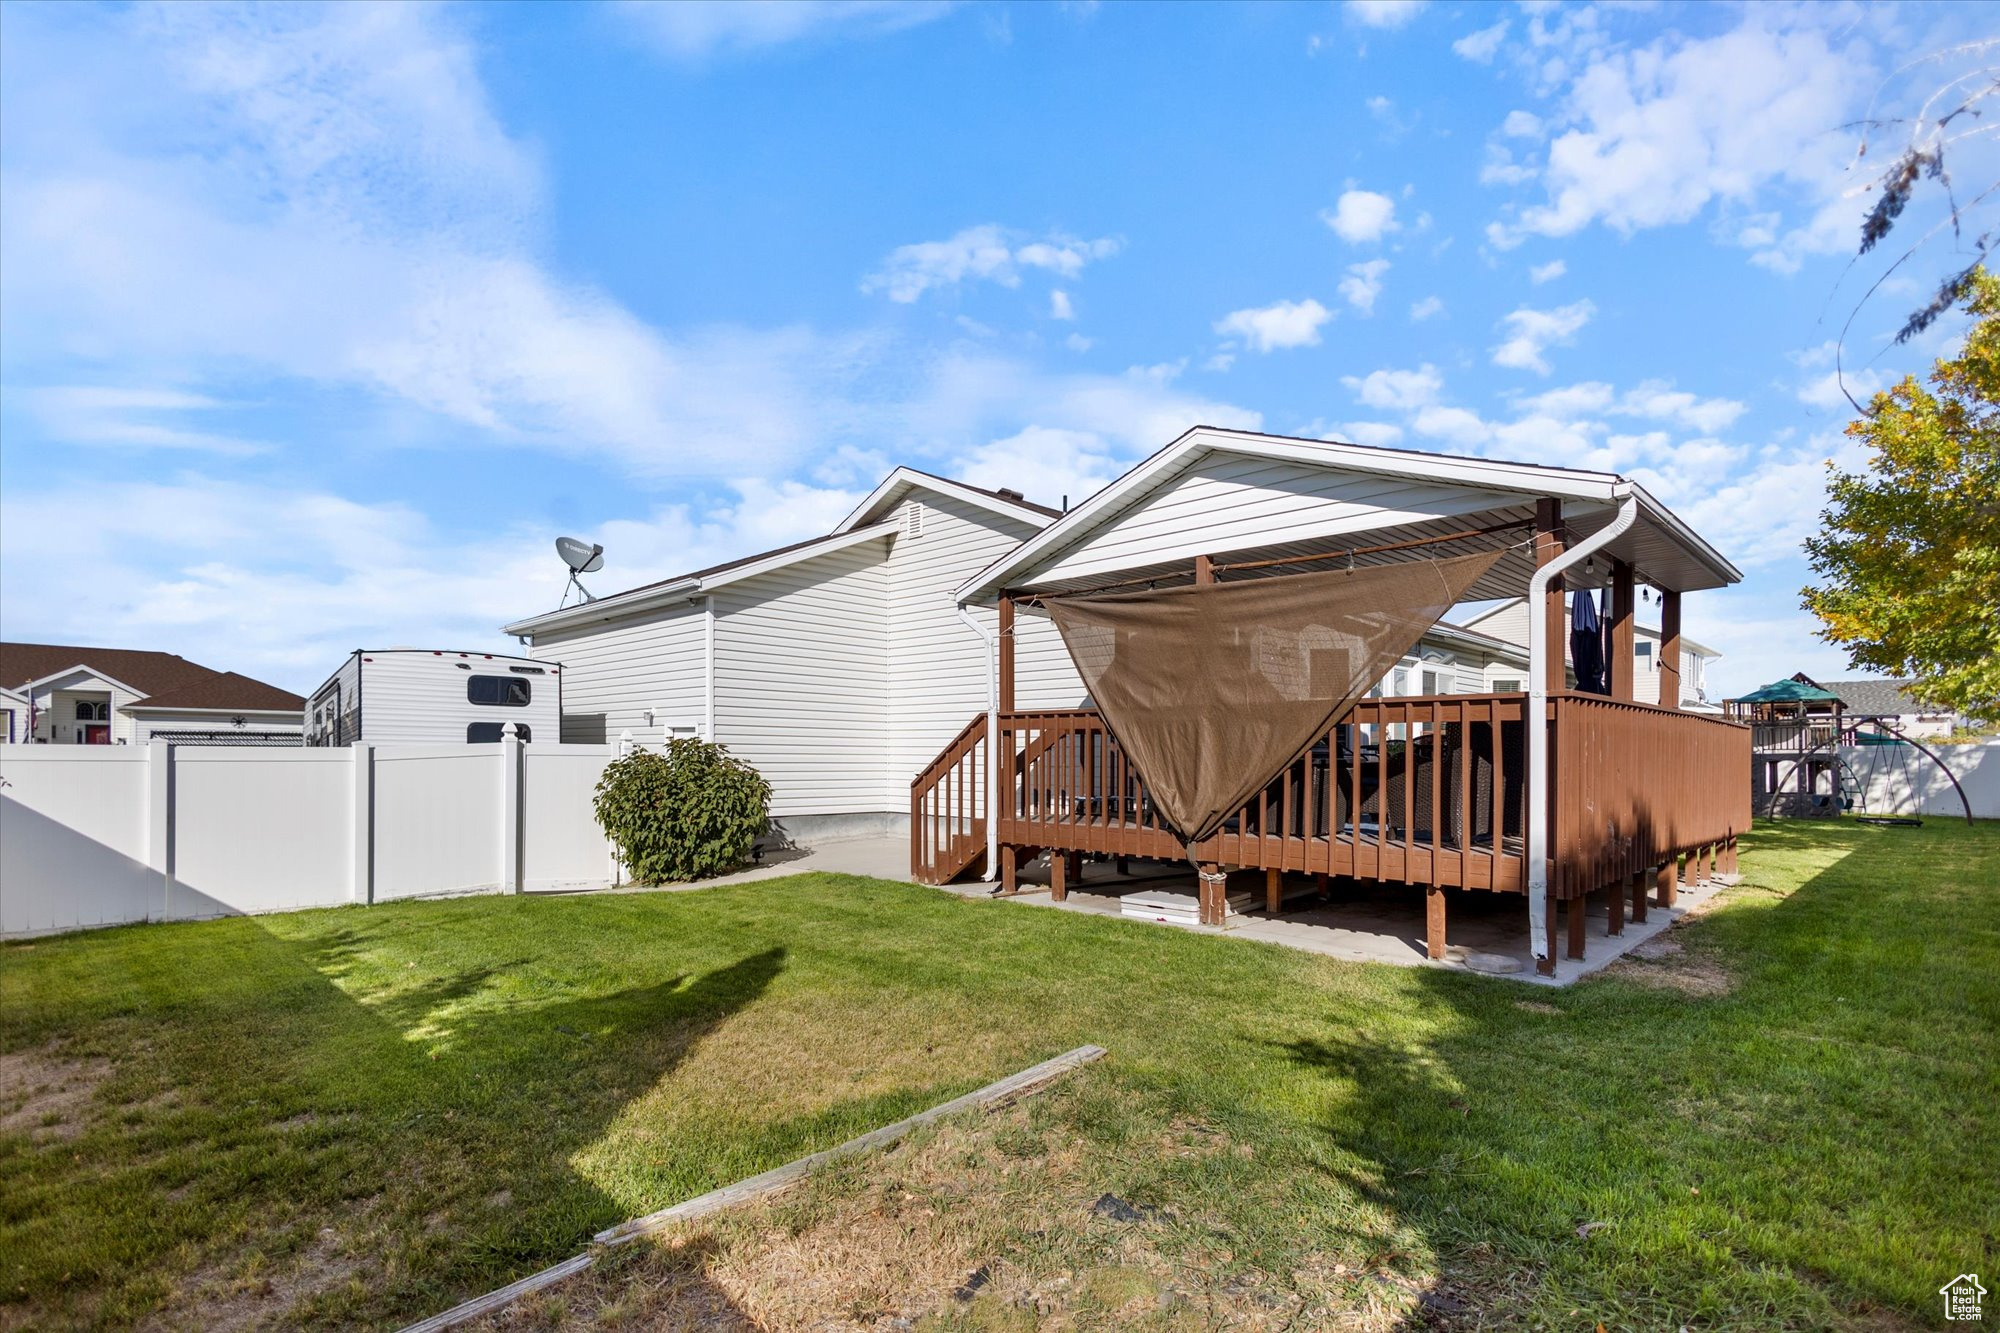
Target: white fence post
x=160 y=820
x=362 y=755
x=510 y=809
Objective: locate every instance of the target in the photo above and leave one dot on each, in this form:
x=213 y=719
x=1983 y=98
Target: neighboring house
x=13 y=716
x=127 y=696
x=837 y=666
x=1891 y=701
x=1509 y=622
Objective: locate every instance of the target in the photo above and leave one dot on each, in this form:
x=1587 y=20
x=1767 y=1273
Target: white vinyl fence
x=1900 y=780
x=99 y=835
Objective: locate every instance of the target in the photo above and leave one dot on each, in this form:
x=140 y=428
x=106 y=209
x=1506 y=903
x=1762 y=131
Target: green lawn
x=359 y=1116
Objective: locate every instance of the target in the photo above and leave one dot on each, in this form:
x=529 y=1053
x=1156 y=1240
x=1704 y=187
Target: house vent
x=913 y=519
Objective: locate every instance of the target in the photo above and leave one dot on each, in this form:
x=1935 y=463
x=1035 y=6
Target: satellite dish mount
x=582 y=558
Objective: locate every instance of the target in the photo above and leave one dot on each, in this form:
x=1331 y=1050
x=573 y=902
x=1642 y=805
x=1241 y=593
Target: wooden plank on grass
x=757 y=1187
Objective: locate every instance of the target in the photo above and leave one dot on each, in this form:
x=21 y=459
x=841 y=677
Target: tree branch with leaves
x=1908 y=551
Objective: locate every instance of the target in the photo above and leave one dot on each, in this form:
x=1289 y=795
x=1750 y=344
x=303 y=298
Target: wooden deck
x=1422 y=791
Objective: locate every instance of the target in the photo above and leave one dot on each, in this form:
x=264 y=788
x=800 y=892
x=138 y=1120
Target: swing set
x=1888 y=749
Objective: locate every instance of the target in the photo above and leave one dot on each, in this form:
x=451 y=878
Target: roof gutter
x=1537 y=719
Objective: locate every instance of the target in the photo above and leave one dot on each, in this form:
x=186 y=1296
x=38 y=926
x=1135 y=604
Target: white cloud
x=115 y=416
x=1656 y=134
x=1059 y=305
x=1521 y=125
x=1043 y=464
x=1662 y=402
x=1361 y=216
x=1282 y=324
x=1427 y=308
x=986 y=253
x=1825 y=390
x=1384 y=13
x=1570 y=403
x=1531 y=332
x=1482 y=45
x=1076 y=342
x=696 y=29
x=1548 y=272
x=1363 y=284
x=1379 y=434
x=1397 y=390
x=1454 y=425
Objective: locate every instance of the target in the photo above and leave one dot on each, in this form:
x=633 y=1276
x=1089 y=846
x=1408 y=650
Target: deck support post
x=1010 y=879
x=1574 y=920
x=1274 y=890
x=1638 y=888
x=1670 y=648
x=1664 y=880
x=1549 y=545
x=1624 y=678
x=1698 y=865
x=1006 y=654
x=1320 y=886
x=1212 y=900
x=1058 y=876
x=1434 y=921
x=1547 y=965
x=1204 y=569
x=1614 y=908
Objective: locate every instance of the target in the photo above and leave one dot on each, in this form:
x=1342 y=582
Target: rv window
x=502 y=691
x=488 y=733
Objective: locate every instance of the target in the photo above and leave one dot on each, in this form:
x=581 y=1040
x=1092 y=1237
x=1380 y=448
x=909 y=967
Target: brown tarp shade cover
x=1213 y=689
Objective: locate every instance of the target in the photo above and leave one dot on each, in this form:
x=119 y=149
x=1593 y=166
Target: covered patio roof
x=1239 y=495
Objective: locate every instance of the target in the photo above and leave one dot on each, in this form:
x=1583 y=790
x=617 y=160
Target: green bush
x=687 y=812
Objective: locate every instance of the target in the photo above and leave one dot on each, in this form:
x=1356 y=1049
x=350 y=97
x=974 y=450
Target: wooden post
x=1574 y=917
x=1204 y=569
x=1548 y=962
x=1638 y=897
x=1006 y=654
x=1434 y=921
x=1670 y=648
x=1010 y=880
x=1212 y=900
x=1665 y=881
x=1624 y=679
x=1614 y=909
x=1274 y=890
x=1320 y=886
x=1058 y=876
x=1549 y=545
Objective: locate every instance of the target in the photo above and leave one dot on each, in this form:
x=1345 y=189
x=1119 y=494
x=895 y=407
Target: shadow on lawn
x=352 y=1162
x=1647 y=1157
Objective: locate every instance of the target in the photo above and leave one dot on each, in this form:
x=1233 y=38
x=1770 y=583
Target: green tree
x=1908 y=551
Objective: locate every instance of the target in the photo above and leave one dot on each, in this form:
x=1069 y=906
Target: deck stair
x=948 y=809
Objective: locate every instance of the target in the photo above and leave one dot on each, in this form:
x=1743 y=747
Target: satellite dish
x=582 y=558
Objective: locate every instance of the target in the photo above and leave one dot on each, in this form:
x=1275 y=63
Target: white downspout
x=992 y=738
x=1537 y=718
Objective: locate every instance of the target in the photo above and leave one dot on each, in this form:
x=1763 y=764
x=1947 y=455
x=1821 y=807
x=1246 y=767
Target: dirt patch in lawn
x=46 y=1095
x=982 y=1224
x=245 y=1291
x=1665 y=964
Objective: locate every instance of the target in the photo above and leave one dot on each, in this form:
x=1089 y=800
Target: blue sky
x=318 y=324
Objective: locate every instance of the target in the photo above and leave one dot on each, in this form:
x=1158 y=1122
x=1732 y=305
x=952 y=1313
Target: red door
x=96 y=733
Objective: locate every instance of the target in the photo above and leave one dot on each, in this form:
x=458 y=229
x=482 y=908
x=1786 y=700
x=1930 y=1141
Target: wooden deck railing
x=1427 y=790
x=1634 y=786
x=948 y=803
x=1403 y=789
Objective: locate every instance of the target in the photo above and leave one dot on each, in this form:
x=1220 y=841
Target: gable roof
x=153 y=675
x=905 y=479
x=1877 y=698
x=1695 y=563
x=224 y=692
x=864 y=524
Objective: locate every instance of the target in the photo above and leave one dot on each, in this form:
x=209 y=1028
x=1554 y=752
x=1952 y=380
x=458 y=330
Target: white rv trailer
x=420 y=696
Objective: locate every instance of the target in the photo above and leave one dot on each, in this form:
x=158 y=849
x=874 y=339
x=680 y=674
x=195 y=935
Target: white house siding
x=55 y=705
x=1215 y=506
x=1507 y=621
x=936 y=668
x=612 y=674
x=801 y=680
